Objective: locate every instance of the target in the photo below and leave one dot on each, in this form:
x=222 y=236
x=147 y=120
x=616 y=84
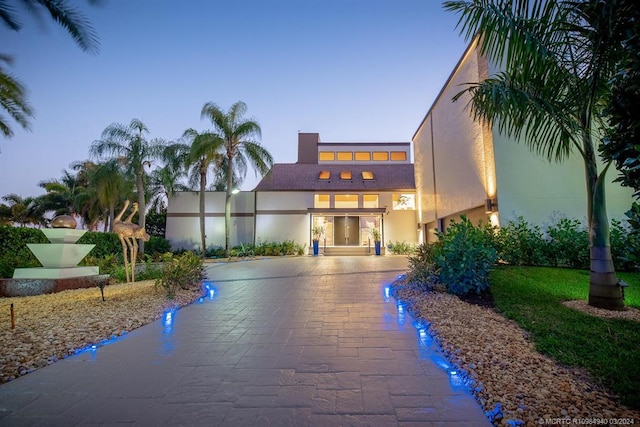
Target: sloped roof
x=304 y=177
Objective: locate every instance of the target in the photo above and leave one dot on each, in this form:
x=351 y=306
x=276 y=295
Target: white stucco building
x=347 y=188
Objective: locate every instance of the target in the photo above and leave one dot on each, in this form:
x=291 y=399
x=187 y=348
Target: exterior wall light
x=490 y=206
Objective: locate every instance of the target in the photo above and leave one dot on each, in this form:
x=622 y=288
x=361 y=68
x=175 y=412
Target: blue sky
x=352 y=70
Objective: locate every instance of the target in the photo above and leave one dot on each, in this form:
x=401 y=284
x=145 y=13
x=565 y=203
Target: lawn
x=609 y=349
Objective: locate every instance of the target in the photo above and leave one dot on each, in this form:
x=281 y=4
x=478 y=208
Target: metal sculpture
x=128 y=233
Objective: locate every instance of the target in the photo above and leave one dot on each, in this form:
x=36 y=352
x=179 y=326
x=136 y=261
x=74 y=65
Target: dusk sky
x=351 y=70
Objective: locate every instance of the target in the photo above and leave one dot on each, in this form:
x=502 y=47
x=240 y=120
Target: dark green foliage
x=180 y=272
x=156 y=246
x=156 y=225
x=422 y=266
x=568 y=244
x=286 y=247
x=14 y=252
x=106 y=243
x=465 y=257
x=401 y=248
x=607 y=348
x=518 y=243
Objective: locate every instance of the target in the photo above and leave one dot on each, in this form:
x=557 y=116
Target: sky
x=350 y=70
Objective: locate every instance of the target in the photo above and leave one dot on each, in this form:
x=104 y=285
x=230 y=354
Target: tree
x=13 y=95
x=239 y=149
x=201 y=151
x=109 y=185
x=557 y=58
x=622 y=142
x=129 y=145
x=24 y=210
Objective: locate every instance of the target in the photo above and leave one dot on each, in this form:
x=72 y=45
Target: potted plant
x=317 y=232
x=375 y=235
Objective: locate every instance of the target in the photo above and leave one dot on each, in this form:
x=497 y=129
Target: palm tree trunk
x=604 y=288
x=227 y=208
x=203 y=236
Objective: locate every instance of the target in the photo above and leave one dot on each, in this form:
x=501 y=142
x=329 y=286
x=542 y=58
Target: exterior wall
x=453 y=162
x=541 y=191
x=283 y=215
x=183 y=220
x=459 y=164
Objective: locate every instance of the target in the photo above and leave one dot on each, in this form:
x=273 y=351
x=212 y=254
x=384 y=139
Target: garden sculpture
x=128 y=232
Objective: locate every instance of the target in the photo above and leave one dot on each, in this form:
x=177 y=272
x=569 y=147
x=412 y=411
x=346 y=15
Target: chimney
x=308 y=148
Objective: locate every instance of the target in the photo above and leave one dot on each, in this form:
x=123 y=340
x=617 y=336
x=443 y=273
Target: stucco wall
x=183 y=221
x=451 y=148
x=283 y=215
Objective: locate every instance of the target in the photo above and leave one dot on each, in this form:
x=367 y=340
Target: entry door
x=346 y=230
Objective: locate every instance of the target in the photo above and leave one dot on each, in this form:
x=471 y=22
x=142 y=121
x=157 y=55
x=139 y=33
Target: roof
x=304 y=177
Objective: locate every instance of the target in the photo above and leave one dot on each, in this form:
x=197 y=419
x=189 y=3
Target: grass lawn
x=608 y=348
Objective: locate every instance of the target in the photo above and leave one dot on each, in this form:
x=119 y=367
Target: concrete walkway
x=279 y=342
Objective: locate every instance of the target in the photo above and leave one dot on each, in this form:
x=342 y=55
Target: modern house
x=346 y=188
x=463 y=167
x=459 y=167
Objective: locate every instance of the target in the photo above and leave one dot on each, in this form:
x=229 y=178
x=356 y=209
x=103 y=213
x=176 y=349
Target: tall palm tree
x=110 y=186
x=13 y=95
x=129 y=143
x=201 y=151
x=553 y=102
x=239 y=148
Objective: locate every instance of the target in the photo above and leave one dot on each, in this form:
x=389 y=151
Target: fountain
x=59 y=259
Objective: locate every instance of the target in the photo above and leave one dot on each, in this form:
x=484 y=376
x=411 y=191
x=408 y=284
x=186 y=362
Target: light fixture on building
x=235 y=191
x=490 y=206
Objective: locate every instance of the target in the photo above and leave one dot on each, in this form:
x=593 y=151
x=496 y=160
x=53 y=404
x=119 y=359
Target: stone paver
x=279 y=342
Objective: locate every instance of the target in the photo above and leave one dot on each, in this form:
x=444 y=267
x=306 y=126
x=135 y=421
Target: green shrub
x=14 y=252
x=180 y=272
x=568 y=244
x=287 y=247
x=465 y=257
x=401 y=248
x=422 y=266
x=518 y=243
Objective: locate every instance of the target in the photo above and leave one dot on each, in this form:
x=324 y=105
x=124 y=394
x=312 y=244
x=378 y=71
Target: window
x=326 y=156
x=345 y=156
x=367 y=175
x=363 y=156
x=346 y=201
x=324 y=175
x=380 y=156
x=345 y=175
x=322 y=201
x=369 y=201
x=399 y=156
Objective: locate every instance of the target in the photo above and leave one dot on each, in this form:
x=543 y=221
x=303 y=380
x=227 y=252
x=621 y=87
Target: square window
x=345 y=156
x=363 y=156
x=367 y=175
x=345 y=175
x=326 y=156
x=369 y=201
x=398 y=156
x=324 y=175
x=381 y=156
x=321 y=201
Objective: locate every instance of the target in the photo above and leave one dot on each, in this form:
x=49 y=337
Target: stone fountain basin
x=63 y=235
x=59 y=255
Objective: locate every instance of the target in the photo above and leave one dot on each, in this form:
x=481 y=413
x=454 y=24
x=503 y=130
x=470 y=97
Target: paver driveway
x=287 y=341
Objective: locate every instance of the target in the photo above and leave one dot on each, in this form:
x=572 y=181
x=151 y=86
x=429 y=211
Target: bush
x=422 y=267
x=180 y=272
x=518 y=243
x=568 y=244
x=14 y=252
x=465 y=257
x=401 y=248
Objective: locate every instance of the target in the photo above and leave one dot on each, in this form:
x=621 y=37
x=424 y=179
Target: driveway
x=281 y=342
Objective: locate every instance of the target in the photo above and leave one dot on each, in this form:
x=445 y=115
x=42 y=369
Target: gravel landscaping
x=53 y=326
x=514 y=384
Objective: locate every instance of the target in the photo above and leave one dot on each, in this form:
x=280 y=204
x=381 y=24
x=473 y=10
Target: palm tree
x=13 y=95
x=553 y=102
x=24 y=210
x=110 y=186
x=239 y=149
x=201 y=151
x=129 y=144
